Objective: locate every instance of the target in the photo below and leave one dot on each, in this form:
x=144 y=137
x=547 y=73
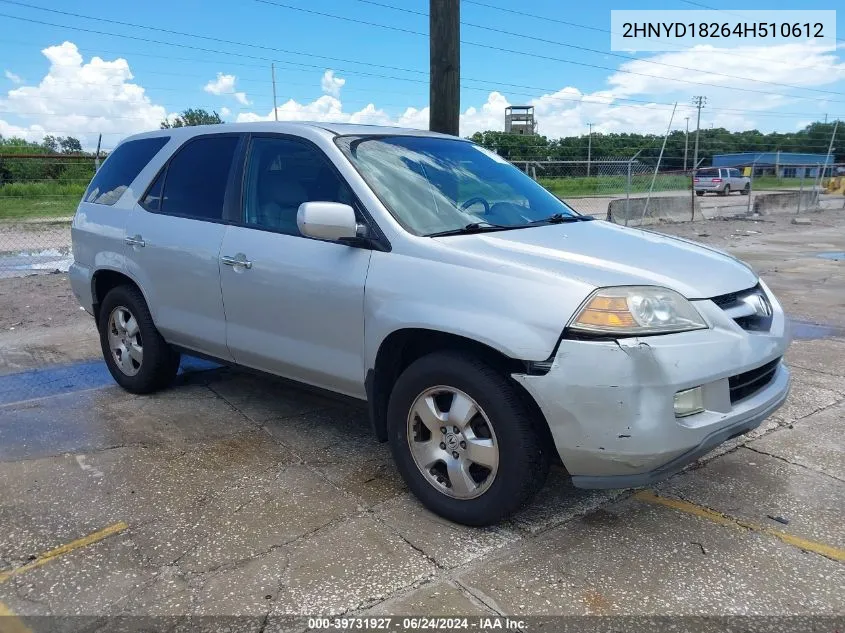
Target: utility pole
x=273 y=75
x=698 y=102
x=686 y=143
x=825 y=118
x=589 y=148
x=444 y=17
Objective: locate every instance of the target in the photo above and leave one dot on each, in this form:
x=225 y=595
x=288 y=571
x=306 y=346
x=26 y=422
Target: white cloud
x=81 y=99
x=330 y=84
x=324 y=108
x=225 y=85
x=15 y=79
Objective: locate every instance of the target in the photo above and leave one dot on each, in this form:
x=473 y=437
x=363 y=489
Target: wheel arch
x=402 y=347
x=105 y=279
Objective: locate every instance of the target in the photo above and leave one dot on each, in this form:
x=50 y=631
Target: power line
x=556 y=59
x=583 y=48
x=647 y=103
x=348 y=71
x=197 y=36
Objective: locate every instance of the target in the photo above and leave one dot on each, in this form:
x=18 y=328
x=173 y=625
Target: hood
x=604 y=254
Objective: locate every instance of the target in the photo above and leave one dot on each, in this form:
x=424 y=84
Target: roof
x=770 y=158
x=290 y=127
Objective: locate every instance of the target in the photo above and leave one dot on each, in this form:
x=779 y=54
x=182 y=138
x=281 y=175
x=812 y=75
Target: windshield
x=432 y=185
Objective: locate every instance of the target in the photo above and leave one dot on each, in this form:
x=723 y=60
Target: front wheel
x=137 y=356
x=463 y=439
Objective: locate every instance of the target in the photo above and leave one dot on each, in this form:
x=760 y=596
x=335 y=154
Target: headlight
x=634 y=310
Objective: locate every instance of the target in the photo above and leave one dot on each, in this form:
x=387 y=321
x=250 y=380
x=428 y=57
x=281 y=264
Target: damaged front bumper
x=610 y=404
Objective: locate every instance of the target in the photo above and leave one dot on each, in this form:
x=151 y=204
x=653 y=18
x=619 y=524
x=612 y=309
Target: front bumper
x=610 y=404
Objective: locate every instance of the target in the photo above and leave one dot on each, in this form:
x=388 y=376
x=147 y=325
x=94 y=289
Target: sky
x=112 y=68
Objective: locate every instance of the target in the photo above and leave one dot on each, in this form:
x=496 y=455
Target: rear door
x=294 y=305
x=708 y=179
x=173 y=243
x=99 y=226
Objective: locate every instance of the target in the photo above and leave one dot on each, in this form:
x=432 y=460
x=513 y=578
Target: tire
x=726 y=191
x=746 y=190
x=699 y=193
x=156 y=365
x=453 y=380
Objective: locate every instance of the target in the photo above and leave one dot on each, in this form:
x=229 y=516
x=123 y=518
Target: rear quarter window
x=122 y=167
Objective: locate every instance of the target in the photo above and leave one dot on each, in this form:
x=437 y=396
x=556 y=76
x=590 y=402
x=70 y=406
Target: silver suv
x=721 y=180
x=489 y=327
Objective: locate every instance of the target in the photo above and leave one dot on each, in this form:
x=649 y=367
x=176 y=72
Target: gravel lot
x=233 y=494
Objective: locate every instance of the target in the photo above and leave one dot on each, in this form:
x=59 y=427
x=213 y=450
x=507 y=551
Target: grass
x=39 y=199
x=612 y=185
x=55 y=199
x=29 y=208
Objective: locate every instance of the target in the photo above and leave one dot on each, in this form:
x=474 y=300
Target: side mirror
x=327 y=221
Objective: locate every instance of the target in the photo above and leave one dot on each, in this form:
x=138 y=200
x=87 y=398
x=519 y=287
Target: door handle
x=238 y=260
x=135 y=240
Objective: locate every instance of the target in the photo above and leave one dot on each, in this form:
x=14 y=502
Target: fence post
x=751 y=191
x=657 y=166
x=801 y=190
x=97 y=155
x=628 y=192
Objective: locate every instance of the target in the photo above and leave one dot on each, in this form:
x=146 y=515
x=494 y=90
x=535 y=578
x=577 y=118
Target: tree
x=193 y=116
x=70 y=145
x=51 y=144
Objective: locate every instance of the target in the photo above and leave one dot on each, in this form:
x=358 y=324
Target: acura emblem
x=760 y=304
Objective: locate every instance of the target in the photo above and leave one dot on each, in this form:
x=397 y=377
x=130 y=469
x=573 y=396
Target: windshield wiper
x=559 y=218
x=473 y=227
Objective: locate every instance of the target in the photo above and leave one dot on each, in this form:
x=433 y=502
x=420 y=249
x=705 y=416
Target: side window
x=152 y=201
x=282 y=174
x=196 y=178
x=122 y=167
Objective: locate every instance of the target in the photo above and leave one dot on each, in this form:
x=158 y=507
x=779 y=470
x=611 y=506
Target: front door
x=173 y=244
x=294 y=305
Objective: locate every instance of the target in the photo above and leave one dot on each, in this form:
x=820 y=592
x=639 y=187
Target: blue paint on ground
x=53 y=381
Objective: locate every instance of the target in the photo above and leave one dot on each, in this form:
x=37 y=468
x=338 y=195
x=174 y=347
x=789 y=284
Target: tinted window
x=122 y=167
x=281 y=175
x=152 y=201
x=195 y=183
x=708 y=173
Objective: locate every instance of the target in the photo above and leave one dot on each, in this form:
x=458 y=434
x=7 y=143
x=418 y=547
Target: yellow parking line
x=10 y=623
x=46 y=557
x=834 y=553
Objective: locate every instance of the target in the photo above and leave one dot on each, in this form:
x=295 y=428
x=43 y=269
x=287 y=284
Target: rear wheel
x=463 y=439
x=138 y=358
x=726 y=191
x=699 y=193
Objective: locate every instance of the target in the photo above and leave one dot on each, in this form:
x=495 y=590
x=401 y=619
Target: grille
x=744 y=316
x=725 y=301
x=750 y=382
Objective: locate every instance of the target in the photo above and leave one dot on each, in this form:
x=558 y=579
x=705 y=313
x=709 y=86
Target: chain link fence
x=38 y=196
